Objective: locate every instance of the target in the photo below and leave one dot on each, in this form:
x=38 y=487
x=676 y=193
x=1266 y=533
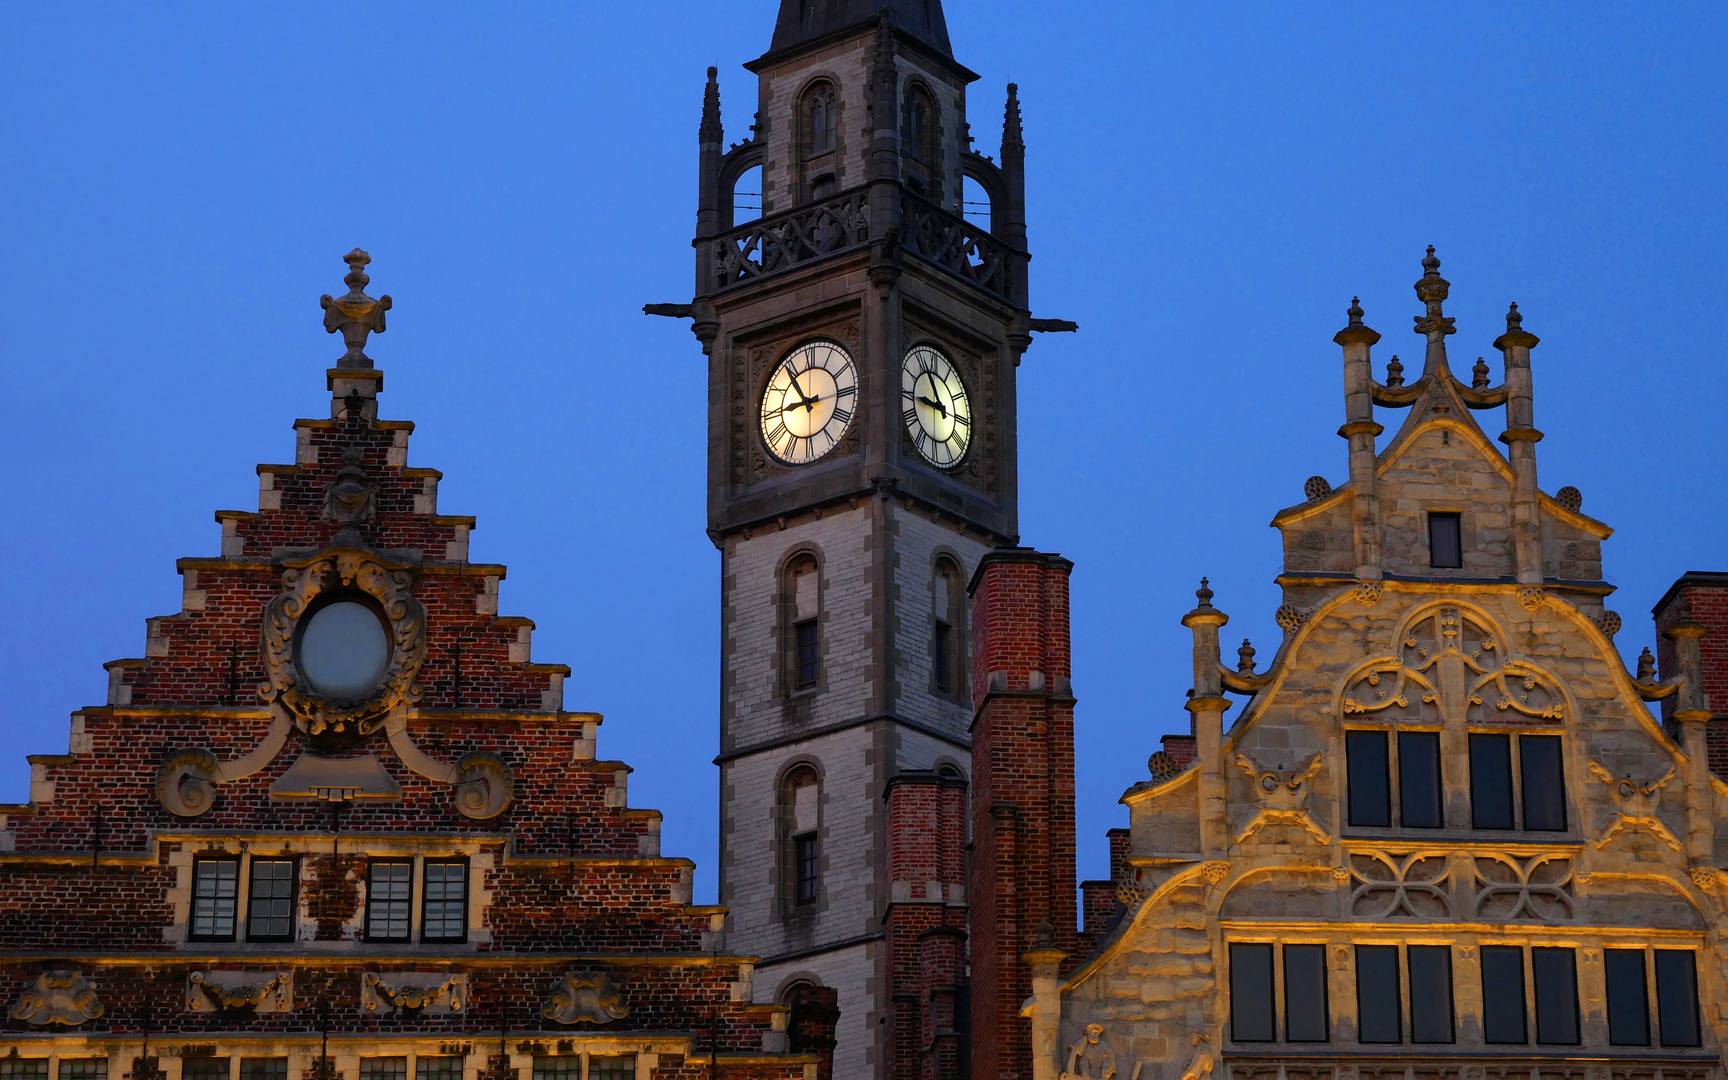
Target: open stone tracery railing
x=1509 y=1067
x=772 y=244
x=955 y=243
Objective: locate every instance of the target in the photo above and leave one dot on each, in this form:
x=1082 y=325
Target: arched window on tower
x=975 y=203
x=800 y=810
x=918 y=143
x=950 y=615
x=819 y=118
x=801 y=592
x=747 y=195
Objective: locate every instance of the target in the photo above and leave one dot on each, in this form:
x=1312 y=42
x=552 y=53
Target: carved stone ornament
x=1388 y=885
x=1090 y=1057
x=351 y=499
x=431 y=993
x=1368 y=593
x=1214 y=871
x=583 y=997
x=304 y=580
x=185 y=785
x=1131 y=893
x=1203 y=1061
x=1451 y=662
x=1514 y=887
x=1635 y=806
x=1531 y=597
x=1317 y=489
x=239 y=991
x=1283 y=795
x=58 y=997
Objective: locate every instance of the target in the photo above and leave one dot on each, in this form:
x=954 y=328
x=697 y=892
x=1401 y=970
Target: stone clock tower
x=862 y=332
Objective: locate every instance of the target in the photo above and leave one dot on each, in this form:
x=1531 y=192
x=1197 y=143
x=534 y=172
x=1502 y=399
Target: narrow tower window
x=918 y=139
x=1445 y=541
x=799 y=807
x=802 y=601
x=950 y=612
x=819 y=120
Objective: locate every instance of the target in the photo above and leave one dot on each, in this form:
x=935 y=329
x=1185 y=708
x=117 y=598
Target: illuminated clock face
x=809 y=402
x=934 y=404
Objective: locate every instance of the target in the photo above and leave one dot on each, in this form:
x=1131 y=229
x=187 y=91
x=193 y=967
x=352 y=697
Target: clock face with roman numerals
x=809 y=402
x=934 y=404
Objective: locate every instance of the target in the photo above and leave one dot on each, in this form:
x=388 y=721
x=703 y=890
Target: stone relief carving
x=1538 y=887
x=1283 y=795
x=58 y=997
x=248 y=991
x=351 y=498
x=1449 y=660
x=1089 y=1057
x=581 y=997
x=1387 y=885
x=1635 y=806
x=390 y=584
x=1131 y=893
x=431 y=993
x=185 y=785
x=1203 y=1060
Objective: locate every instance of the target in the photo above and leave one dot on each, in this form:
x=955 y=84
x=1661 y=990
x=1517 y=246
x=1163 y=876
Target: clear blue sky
x=1208 y=186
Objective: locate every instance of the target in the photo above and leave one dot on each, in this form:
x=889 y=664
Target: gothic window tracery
x=918 y=140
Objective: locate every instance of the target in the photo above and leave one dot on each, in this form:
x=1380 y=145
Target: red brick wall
x=1023 y=872
x=1703 y=598
x=926 y=924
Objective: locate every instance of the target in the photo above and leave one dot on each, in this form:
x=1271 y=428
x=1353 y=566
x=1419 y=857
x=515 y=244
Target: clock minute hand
x=937 y=405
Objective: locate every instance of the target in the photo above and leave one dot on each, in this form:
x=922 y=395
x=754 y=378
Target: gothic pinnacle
x=1013 y=137
x=711 y=130
x=355 y=314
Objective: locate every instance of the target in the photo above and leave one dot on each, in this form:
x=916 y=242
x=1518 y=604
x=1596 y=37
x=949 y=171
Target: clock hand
x=807 y=403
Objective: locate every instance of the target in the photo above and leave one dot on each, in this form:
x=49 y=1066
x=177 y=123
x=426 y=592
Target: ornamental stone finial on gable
x=355 y=314
x=1432 y=290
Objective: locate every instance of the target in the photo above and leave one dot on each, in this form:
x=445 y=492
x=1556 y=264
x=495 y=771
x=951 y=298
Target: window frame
x=806 y=855
x=1445 y=951
x=1391 y=780
x=1697 y=1020
x=1644 y=963
x=98 y=1072
x=426 y=865
x=1278 y=1005
x=1549 y=1038
x=1515 y=771
x=1352 y=770
x=1439 y=763
x=1523 y=997
x=293 y=897
x=1455 y=519
x=370 y=933
x=809 y=669
x=1381 y=948
x=442 y=1074
x=234 y=916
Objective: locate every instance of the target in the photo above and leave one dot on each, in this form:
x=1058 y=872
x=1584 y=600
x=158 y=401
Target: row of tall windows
x=23 y=1068
x=1404 y=994
x=589 y=1067
x=1516 y=781
x=268 y=908
x=802 y=619
x=819 y=122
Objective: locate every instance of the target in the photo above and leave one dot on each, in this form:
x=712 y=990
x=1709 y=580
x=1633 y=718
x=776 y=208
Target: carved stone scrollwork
x=484 y=785
x=1289 y=618
x=238 y=991
x=1368 y=593
x=1635 y=806
x=430 y=993
x=1447 y=659
x=582 y=997
x=185 y=784
x=1539 y=887
x=1283 y=795
x=1214 y=871
x=1412 y=886
x=58 y=997
x=1531 y=597
x=389 y=584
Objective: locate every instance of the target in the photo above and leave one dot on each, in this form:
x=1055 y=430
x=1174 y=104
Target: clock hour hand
x=807 y=404
x=937 y=405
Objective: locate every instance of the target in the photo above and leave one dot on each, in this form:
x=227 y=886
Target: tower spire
x=1013 y=137
x=711 y=130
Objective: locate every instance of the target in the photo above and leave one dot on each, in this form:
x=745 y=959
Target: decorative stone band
x=58 y=997
x=584 y=997
x=249 y=991
x=430 y=993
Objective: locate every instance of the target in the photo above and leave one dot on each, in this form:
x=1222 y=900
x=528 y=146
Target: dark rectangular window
x=1677 y=997
x=271 y=1068
x=23 y=1068
x=1556 y=972
x=563 y=1067
x=1419 y=780
x=1503 y=994
x=444 y=901
x=1251 y=1010
x=270 y=901
x=383 y=1068
x=1379 y=1005
x=204 y=1068
x=1628 y=1000
x=1370 y=787
x=808 y=669
x=432 y=1067
x=389 y=899
x=1430 y=968
x=215 y=898
x=1305 y=1018
x=1544 y=782
x=84 y=1068
x=1445 y=541
x=941 y=651
x=1491 y=782
x=809 y=868
x=612 y=1067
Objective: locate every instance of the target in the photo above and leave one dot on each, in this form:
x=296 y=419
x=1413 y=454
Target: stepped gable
x=240 y=733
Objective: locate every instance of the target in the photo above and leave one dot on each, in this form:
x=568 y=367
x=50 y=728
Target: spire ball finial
x=1432 y=290
x=1430 y=264
x=1355 y=311
x=1514 y=321
x=355 y=314
x=1205 y=594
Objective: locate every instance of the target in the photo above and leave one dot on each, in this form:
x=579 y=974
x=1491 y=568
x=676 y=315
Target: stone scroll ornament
x=1635 y=806
x=1447 y=659
x=58 y=997
x=581 y=997
x=390 y=584
x=1283 y=795
x=208 y=992
x=413 y=991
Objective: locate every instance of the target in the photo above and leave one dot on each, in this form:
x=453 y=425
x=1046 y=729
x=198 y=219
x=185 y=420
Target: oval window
x=343 y=650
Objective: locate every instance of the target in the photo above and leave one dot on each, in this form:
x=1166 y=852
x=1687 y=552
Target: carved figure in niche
x=1200 y=1065
x=58 y=997
x=1089 y=1058
x=350 y=499
x=1448 y=659
x=585 y=998
x=209 y=992
x=1635 y=806
x=1283 y=795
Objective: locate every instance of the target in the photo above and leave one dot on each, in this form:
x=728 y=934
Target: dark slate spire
x=804 y=21
x=710 y=130
x=1013 y=138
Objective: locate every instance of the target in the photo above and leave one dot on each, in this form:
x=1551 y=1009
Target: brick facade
x=1701 y=597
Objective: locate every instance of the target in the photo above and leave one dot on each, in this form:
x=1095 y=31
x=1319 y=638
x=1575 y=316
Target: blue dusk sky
x=1208 y=186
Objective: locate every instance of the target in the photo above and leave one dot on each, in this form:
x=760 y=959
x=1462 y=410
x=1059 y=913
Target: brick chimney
x=1023 y=915
x=1699 y=598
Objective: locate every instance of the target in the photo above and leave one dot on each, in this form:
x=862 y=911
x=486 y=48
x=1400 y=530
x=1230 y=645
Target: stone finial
x=1356 y=331
x=1432 y=290
x=1205 y=594
x=1317 y=489
x=1515 y=333
x=1514 y=321
x=1355 y=311
x=355 y=314
x=1044 y=934
x=1646 y=665
x=1013 y=137
x=711 y=130
x=1479 y=375
x=1394 y=372
x=1245 y=658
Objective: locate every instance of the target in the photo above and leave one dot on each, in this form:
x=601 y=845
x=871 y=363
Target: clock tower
x=862 y=324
